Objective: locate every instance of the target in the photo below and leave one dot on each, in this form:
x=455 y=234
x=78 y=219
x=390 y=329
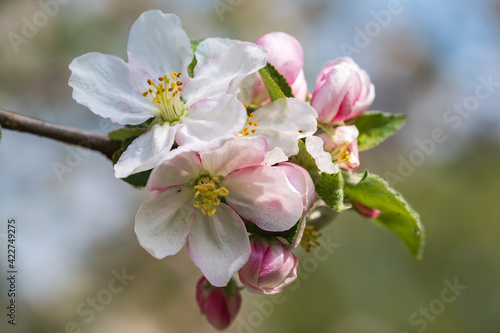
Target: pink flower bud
x=343 y=91
x=286 y=55
x=271 y=267
x=219 y=304
x=365 y=211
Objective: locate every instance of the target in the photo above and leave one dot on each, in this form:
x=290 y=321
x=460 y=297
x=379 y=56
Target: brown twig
x=74 y=136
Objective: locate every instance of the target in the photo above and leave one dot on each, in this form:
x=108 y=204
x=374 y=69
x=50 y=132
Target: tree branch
x=74 y=136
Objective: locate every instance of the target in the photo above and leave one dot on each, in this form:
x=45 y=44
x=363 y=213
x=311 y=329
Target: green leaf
x=273 y=81
x=288 y=234
x=192 y=65
x=397 y=215
x=328 y=186
x=374 y=127
x=125 y=133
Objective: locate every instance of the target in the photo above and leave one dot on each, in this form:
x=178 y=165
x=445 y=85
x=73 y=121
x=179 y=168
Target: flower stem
x=101 y=143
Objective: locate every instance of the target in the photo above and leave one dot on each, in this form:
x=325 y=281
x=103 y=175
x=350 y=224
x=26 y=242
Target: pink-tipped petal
x=343 y=91
x=180 y=166
x=270 y=268
x=301 y=181
x=263 y=195
x=236 y=153
x=329 y=93
x=284 y=53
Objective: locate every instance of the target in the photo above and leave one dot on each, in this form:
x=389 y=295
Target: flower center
x=248 y=124
x=341 y=153
x=165 y=96
x=207 y=194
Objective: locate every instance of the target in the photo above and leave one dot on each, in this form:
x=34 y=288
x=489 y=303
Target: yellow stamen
x=208 y=193
x=166 y=97
x=245 y=131
x=341 y=153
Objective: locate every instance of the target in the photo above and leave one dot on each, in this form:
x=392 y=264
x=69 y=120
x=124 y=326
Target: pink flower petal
x=235 y=154
x=180 y=166
x=263 y=195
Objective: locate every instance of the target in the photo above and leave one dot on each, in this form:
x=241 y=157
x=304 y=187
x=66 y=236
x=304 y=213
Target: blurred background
x=427 y=59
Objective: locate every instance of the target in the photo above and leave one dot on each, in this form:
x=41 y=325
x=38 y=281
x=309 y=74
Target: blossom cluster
x=234 y=146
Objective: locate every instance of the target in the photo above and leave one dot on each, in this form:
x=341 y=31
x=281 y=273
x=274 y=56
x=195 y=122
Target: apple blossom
x=340 y=148
x=200 y=198
x=219 y=304
x=154 y=84
x=271 y=267
x=343 y=91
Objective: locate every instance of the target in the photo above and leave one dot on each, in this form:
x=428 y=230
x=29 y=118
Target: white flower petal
x=110 y=88
x=284 y=121
x=158 y=44
x=181 y=166
x=275 y=156
x=314 y=146
x=222 y=64
x=211 y=119
x=219 y=245
x=162 y=224
x=147 y=151
x=235 y=154
x=263 y=195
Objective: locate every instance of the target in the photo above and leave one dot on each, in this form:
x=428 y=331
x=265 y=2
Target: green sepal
x=328 y=186
x=374 y=127
x=192 y=65
x=125 y=133
x=289 y=234
x=397 y=215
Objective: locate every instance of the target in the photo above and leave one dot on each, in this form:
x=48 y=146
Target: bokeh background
x=74 y=230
